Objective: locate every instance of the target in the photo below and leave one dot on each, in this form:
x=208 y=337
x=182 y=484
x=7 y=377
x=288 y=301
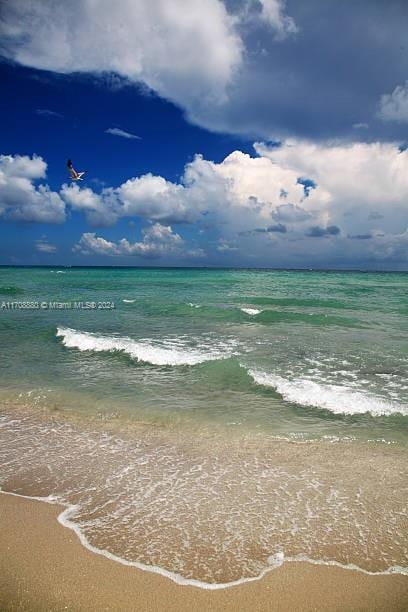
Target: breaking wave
x=251 y=311
x=335 y=398
x=175 y=351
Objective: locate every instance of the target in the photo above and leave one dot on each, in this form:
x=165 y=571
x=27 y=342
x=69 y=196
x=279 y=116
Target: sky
x=248 y=133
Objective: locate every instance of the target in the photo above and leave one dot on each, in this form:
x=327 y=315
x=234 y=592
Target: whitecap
x=128 y=301
x=176 y=351
x=251 y=311
x=336 y=398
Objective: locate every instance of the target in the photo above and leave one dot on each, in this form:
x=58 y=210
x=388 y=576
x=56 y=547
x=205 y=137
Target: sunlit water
x=214 y=422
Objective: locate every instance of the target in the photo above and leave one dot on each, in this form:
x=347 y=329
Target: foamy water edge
x=64 y=518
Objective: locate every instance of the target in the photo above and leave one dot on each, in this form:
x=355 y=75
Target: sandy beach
x=43 y=566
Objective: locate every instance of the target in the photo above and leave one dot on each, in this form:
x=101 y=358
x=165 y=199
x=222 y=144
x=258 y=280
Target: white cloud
x=394 y=106
x=22 y=166
x=100 y=209
x=91 y=243
x=43 y=246
x=244 y=193
x=185 y=50
x=20 y=199
x=253 y=208
x=224 y=247
x=351 y=178
x=45 y=112
x=273 y=13
x=291 y=213
x=360 y=126
x=156 y=198
x=240 y=191
x=122 y=133
x=227 y=76
x=158 y=241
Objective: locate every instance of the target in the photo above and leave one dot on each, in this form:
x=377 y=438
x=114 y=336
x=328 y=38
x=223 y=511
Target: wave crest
x=177 y=351
x=335 y=398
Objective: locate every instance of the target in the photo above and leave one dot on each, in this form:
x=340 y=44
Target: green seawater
x=211 y=424
x=297 y=354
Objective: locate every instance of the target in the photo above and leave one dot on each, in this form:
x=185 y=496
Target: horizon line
x=241 y=268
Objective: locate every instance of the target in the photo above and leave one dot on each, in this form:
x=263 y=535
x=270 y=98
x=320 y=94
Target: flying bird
x=75 y=176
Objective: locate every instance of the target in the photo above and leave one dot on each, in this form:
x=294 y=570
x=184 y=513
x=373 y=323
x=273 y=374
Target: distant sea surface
x=211 y=424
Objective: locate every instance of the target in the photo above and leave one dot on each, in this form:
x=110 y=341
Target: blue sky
x=236 y=133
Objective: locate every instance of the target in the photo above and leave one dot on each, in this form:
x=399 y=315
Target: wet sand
x=43 y=566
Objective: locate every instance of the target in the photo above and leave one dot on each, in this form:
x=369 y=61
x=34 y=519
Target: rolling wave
x=175 y=352
x=335 y=398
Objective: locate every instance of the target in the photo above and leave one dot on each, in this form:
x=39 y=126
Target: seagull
x=75 y=176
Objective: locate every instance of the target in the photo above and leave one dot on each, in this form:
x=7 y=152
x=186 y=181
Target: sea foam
x=336 y=398
x=251 y=311
x=175 y=352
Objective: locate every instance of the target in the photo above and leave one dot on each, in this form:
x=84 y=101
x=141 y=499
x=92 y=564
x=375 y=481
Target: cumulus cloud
x=122 y=133
x=241 y=192
x=193 y=53
x=100 y=209
x=291 y=213
x=290 y=88
x=324 y=185
x=394 y=106
x=253 y=208
x=218 y=61
x=20 y=198
x=351 y=178
x=185 y=51
x=158 y=241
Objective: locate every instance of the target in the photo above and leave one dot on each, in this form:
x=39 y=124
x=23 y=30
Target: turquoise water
x=211 y=424
x=292 y=353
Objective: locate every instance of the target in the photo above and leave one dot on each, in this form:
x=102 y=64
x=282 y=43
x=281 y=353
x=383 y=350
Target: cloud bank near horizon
x=297 y=203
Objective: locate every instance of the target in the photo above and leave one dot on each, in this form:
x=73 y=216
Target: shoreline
x=44 y=566
x=64 y=519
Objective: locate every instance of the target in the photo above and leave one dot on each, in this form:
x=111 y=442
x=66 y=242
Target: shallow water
x=215 y=421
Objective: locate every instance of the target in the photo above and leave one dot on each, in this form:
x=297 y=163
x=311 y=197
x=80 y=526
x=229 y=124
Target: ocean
x=211 y=424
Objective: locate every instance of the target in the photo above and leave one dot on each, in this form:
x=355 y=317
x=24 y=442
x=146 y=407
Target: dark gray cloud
x=278 y=228
x=318 y=232
x=361 y=237
x=322 y=80
x=317 y=69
